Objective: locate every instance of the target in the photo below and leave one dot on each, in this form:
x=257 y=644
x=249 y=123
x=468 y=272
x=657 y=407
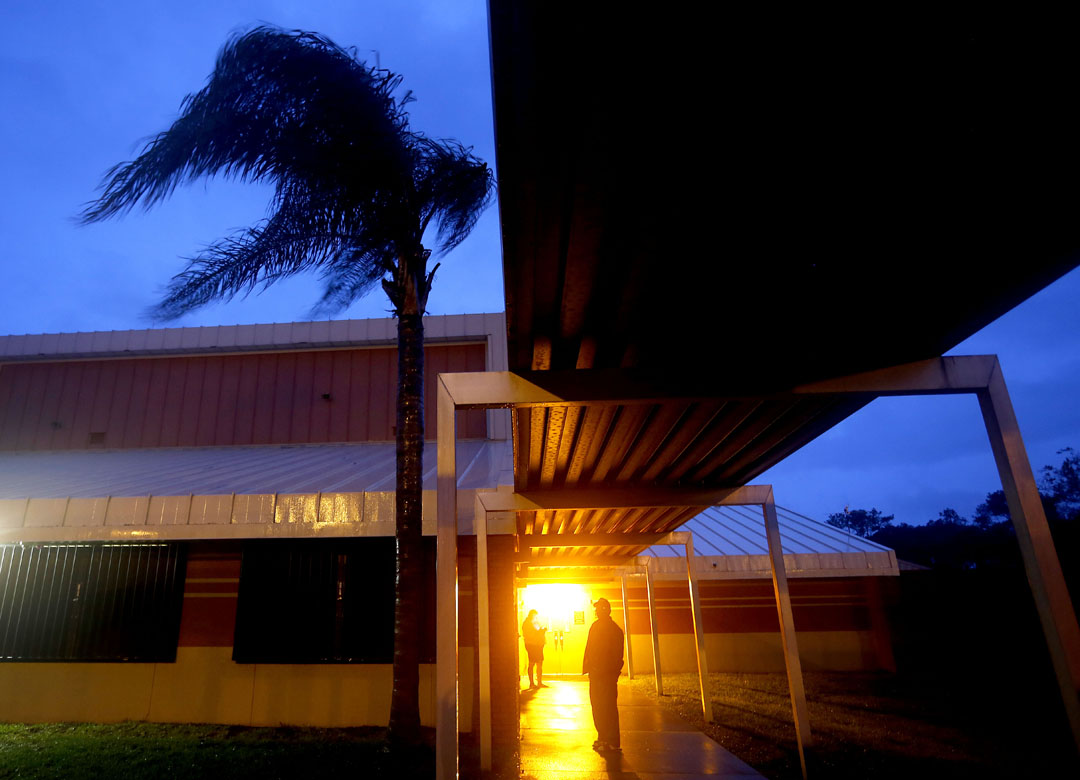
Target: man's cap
x=531 y=613
x=602 y=603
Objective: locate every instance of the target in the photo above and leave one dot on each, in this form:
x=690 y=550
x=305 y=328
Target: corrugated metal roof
x=330 y=468
x=740 y=530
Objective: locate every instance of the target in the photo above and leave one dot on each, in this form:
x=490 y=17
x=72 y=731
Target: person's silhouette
x=603 y=661
x=533 y=635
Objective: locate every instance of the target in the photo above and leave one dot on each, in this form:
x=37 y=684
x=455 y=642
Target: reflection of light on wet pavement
x=569 y=695
x=557 y=735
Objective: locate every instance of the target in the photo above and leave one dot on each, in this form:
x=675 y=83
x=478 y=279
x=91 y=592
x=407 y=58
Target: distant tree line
x=986 y=540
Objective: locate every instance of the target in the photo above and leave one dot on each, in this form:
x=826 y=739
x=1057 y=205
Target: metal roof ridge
x=239 y=338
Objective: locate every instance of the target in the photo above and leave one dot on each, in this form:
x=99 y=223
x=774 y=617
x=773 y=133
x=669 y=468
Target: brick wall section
x=504 y=649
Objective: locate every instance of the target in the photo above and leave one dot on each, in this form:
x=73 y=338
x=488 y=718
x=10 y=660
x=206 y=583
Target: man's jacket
x=604 y=650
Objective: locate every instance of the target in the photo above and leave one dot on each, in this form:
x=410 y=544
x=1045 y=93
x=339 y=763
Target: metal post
x=483 y=629
x=699 y=631
x=653 y=630
x=1036 y=545
x=446 y=613
x=626 y=632
x=787 y=631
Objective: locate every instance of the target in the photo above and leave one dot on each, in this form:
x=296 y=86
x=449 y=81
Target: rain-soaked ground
x=557 y=735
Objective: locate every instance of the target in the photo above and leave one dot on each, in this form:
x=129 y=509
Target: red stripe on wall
x=749 y=607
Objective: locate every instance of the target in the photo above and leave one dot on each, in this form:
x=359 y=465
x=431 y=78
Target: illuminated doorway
x=566 y=610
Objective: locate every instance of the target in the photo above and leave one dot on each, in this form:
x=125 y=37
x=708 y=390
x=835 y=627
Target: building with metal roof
x=168 y=471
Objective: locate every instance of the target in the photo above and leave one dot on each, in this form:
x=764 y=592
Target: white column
x=653 y=630
x=787 y=631
x=1036 y=545
x=699 y=631
x=446 y=612
x=483 y=631
x=626 y=632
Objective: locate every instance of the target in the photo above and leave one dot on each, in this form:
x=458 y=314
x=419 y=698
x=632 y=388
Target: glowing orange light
x=556 y=604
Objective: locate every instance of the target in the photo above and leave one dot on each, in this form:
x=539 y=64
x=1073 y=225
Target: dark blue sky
x=82 y=82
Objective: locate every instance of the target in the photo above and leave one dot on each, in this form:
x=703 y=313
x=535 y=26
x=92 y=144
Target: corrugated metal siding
x=273 y=398
x=90 y=602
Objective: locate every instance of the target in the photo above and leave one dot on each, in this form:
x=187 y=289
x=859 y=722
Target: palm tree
x=355 y=191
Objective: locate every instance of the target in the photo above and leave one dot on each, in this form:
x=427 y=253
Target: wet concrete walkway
x=557 y=735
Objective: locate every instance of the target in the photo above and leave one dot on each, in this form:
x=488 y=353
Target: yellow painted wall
x=37 y=693
x=840 y=651
x=205 y=686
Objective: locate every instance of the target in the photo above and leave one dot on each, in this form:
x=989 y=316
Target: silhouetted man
x=533 y=635
x=603 y=662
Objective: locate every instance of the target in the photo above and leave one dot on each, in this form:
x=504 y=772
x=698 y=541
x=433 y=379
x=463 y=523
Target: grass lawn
x=865 y=725
x=156 y=751
x=869 y=725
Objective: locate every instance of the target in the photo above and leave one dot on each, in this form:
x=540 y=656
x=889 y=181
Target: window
x=325 y=601
x=90 y=601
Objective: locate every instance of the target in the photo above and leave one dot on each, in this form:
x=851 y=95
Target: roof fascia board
x=600 y=387
x=225 y=516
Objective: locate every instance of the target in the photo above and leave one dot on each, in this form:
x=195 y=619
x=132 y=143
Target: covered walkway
x=557 y=735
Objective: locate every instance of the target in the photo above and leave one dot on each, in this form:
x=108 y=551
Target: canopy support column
x=626 y=632
x=446 y=599
x=699 y=630
x=787 y=630
x=483 y=628
x=1036 y=545
x=653 y=630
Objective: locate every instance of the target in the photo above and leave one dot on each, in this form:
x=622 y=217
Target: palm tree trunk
x=405 y=703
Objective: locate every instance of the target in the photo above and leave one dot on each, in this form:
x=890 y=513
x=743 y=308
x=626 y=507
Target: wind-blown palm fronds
x=354 y=183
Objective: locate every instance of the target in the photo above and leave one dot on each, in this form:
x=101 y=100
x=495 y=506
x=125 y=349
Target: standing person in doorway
x=533 y=634
x=603 y=662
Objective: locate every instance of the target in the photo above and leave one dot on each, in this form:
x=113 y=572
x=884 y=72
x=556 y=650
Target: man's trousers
x=604 y=693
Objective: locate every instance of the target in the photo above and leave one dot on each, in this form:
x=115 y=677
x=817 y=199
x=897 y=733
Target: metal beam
x=787 y=631
x=574 y=560
x=626 y=629
x=540 y=541
x=611 y=498
x=937 y=376
x=483 y=629
x=625 y=387
x=699 y=629
x=446 y=609
x=747 y=495
x=558 y=579
x=595 y=387
x=654 y=632
x=1036 y=545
